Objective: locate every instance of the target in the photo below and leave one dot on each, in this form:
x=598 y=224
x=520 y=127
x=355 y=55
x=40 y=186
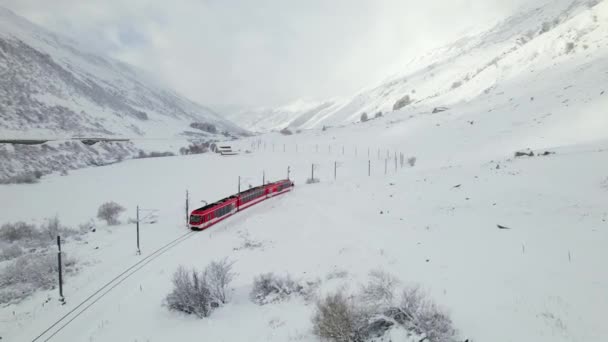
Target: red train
x=213 y=213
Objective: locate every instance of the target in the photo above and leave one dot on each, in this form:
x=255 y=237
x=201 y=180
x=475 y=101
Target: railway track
x=83 y=306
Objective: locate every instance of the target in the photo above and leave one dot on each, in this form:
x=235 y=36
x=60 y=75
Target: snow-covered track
x=71 y=315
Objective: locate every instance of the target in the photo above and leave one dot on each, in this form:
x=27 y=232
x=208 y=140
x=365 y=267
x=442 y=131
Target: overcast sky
x=264 y=52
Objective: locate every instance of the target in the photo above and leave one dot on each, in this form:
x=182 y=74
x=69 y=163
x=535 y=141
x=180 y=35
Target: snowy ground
x=434 y=224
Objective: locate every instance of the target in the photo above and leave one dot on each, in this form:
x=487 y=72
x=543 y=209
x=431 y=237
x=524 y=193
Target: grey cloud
x=263 y=52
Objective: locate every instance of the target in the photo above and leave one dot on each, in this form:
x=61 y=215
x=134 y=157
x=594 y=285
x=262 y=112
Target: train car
x=213 y=213
x=279 y=187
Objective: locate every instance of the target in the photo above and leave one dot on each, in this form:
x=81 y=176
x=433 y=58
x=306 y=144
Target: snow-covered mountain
x=293 y=115
x=544 y=38
x=50 y=87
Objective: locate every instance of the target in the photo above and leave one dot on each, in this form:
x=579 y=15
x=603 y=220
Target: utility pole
x=239 y=187
x=369 y=167
x=288 y=172
x=187 y=208
x=395 y=161
x=263 y=177
x=312 y=173
x=137 y=228
x=335 y=170
x=61 y=297
x=385 y=165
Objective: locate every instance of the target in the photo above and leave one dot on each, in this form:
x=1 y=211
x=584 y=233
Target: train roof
x=211 y=205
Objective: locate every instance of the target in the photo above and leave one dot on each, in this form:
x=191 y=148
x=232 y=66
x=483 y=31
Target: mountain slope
x=541 y=39
x=49 y=87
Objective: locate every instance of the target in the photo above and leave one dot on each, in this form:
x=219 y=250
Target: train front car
x=279 y=187
x=213 y=213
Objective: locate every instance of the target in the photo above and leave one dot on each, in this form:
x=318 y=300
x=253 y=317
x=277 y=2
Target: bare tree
x=109 y=212
x=218 y=276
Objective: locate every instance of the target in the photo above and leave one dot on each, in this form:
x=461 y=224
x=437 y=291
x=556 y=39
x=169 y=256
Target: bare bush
x=199 y=293
x=569 y=47
x=286 y=131
x=337 y=319
x=191 y=293
x=364 y=117
x=154 y=154
x=411 y=161
x=380 y=289
x=337 y=274
x=456 y=84
x=109 y=212
x=24 y=178
x=28 y=274
x=197 y=148
x=378 y=310
x=9 y=251
x=205 y=127
x=18 y=231
x=402 y=102
x=51 y=228
x=312 y=180
x=418 y=313
x=219 y=275
x=378 y=115
x=270 y=288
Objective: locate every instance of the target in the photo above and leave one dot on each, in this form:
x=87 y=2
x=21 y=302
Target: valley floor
x=434 y=225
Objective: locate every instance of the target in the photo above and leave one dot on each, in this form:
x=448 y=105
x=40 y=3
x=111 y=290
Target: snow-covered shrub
x=569 y=47
x=219 y=275
x=205 y=127
x=198 y=293
x=337 y=274
x=191 y=293
x=402 y=102
x=419 y=314
x=337 y=319
x=9 y=251
x=270 y=288
x=197 y=148
x=377 y=309
x=18 y=231
x=30 y=273
x=24 y=178
x=378 y=115
x=109 y=212
x=380 y=289
x=411 y=161
x=364 y=117
x=286 y=131
x=312 y=180
x=154 y=154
